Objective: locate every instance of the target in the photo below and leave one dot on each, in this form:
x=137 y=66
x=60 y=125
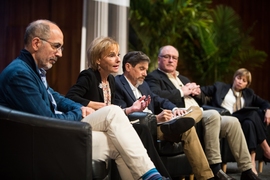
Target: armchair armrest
x=222 y=111
x=137 y=115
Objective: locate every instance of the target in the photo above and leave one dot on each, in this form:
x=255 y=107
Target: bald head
x=44 y=40
x=168 y=59
x=40 y=28
x=165 y=48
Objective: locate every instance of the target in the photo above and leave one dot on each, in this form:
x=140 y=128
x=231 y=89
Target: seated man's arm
x=26 y=93
x=158 y=87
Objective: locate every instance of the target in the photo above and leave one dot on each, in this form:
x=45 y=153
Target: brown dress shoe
x=223 y=176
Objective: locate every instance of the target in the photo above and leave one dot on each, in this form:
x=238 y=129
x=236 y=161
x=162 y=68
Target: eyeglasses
x=168 y=57
x=56 y=46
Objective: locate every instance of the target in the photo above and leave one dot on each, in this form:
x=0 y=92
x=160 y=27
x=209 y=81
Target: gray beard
x=138 y=83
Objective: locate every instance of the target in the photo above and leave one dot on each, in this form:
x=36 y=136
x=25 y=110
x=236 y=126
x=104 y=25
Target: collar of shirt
x=137 y=93
x=170 y=74
x=135 y=90
x=42 y=74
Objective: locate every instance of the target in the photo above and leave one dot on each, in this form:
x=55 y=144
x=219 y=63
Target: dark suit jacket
x=87 y=88
x=21 y=88
x=160 y=84
x=124 y=96
x=219 y=90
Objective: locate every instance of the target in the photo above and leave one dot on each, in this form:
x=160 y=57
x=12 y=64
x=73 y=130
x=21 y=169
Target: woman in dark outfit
x=95 y=88
x=234 y=97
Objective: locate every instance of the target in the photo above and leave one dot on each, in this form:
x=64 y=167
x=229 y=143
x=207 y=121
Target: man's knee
x=230 y=123
x=211 y=117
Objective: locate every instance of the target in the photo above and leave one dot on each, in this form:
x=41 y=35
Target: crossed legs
x=232 y=131
x=193 y=149
x=195 y=155
x=116 y=138
x=211 y=123
x=217 y=126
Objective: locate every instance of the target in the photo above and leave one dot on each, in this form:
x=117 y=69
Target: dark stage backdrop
x=16 y=14
x=250 y=12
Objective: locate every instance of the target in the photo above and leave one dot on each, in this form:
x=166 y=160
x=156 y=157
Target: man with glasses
x=56 y=46
x=23 y=87
x=130 y=85
x=168 y=83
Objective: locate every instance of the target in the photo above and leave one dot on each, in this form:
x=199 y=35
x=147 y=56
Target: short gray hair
x=39 y=28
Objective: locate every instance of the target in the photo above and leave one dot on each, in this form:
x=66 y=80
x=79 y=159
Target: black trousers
x=147 y=140
x=254 y=129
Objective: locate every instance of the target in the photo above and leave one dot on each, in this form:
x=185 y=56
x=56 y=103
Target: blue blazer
x=124 y=96
x=219 y=90
x=21 y=88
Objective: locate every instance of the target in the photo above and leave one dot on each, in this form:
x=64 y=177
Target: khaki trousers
x=193 y=148
x=216 y=127
x=232 y=131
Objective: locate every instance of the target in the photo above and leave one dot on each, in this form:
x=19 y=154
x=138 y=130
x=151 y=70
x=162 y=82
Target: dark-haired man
x=130 y=85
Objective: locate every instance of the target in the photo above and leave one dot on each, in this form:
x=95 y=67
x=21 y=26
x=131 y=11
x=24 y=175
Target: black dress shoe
x=223 y=176
x=265 y=159
x=177 y=126
x=250 y=175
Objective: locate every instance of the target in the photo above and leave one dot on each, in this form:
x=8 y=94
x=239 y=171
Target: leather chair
x=36 y=147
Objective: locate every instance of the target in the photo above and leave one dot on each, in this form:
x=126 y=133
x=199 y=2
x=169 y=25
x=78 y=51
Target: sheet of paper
x=176 y=117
